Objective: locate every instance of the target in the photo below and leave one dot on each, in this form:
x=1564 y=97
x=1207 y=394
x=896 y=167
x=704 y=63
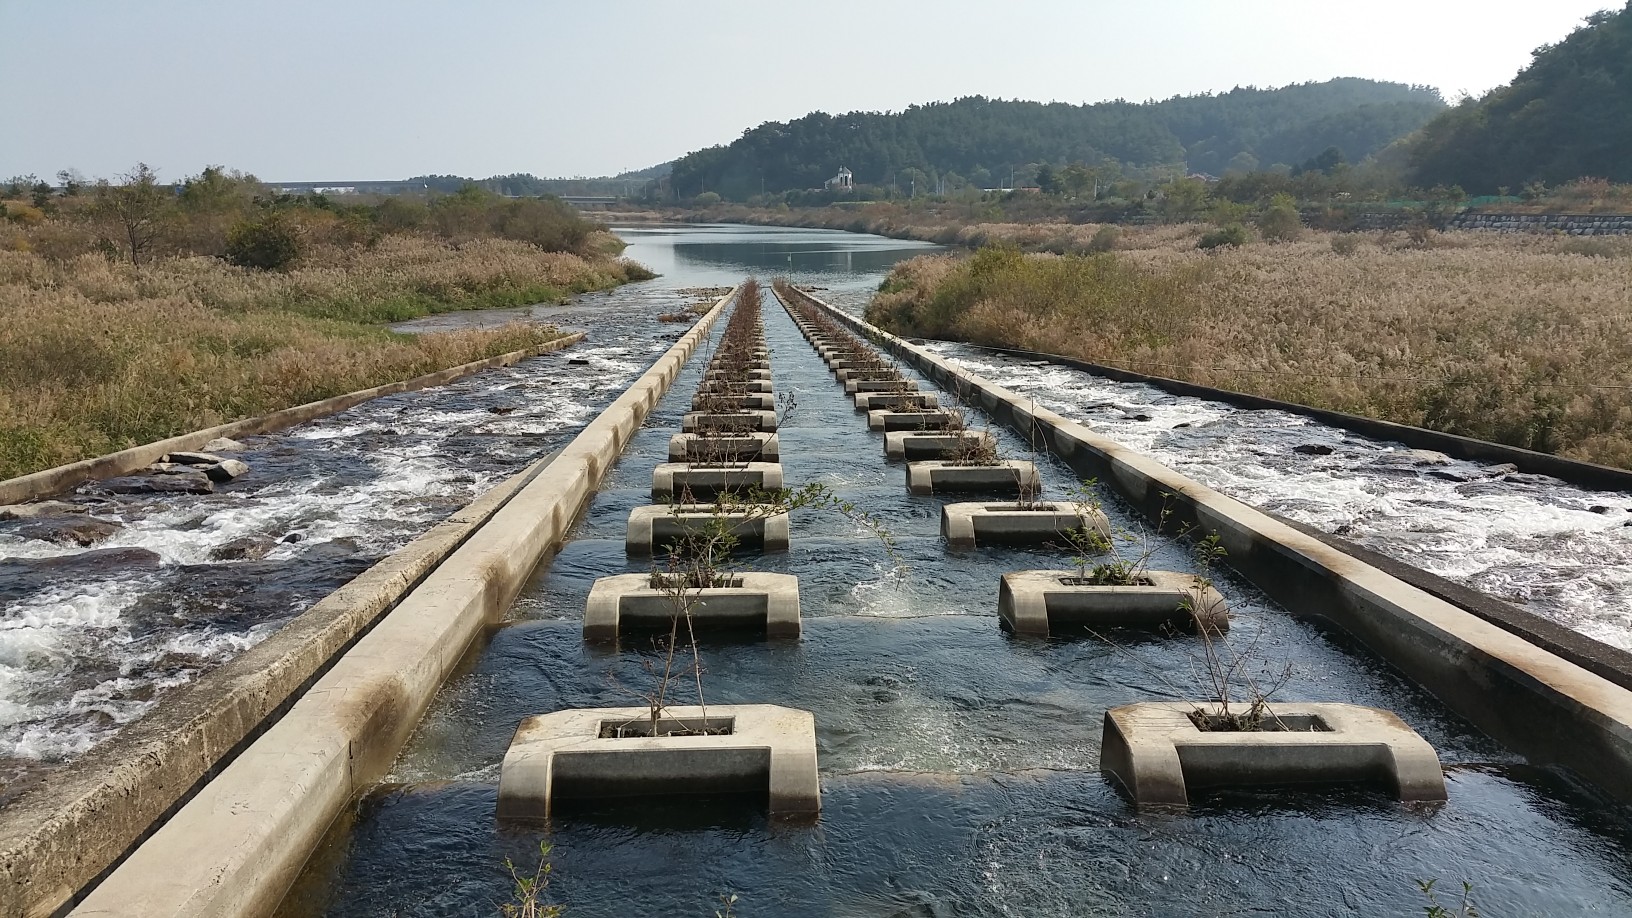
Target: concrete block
x=749 y=600
x=965 y=525
x=1009 y=476
x=673 y=479
x=909 y=420
x=750 y=446
x=577 y=754
x=737 y=374
x=652 y=527
x=896 y=401
x=1034 y=602
x=734 y=386
x=853 y=386
x=874 y=372
x=731 y=421
x=759 y=401
x=1156 y=753
x=911 y=444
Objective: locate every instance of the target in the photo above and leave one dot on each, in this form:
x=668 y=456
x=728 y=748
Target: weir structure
x=240 y=830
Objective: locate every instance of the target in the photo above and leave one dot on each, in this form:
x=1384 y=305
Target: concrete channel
x=236 y=846
x=1551 y=710
x=273 y=788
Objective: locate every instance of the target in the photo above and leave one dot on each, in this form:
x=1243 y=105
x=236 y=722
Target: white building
x=841 y=182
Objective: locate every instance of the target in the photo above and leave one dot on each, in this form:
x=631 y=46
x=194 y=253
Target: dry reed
x=96 y=356
x=1520 y=340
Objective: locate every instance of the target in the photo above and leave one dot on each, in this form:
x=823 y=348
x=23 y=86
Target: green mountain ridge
x=1566 y=116
x=979 y=140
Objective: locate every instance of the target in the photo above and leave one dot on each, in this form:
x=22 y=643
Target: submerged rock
x=1313 y=449
x=186 y=482
x=245 y=548
x=43 y=508
x=78 y=529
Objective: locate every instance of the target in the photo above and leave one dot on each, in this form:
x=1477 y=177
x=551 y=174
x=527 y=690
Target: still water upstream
x=959 y=764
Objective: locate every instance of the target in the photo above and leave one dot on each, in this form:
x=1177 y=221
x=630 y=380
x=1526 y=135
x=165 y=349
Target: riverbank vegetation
x=133 y=311
x=1519 y=340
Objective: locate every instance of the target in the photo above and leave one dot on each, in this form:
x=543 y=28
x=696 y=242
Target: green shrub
x=1105 y=239
x=1281 y=223
x=269 y=243
x=706 y=199
x=1233 y=235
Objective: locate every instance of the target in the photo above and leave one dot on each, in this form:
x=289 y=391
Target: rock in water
x=226 y=470
x=224 y=445
x=80 y=530
x=43 y=508
x=1313 y=449
x=192 y=458
x=189 y=482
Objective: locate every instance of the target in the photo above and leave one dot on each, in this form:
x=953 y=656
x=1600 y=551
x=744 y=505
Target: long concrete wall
x=1545 y=707
x=51 y=482
x=235 y=847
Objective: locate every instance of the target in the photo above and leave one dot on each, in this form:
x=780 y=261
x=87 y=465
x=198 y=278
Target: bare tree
x=135 y=209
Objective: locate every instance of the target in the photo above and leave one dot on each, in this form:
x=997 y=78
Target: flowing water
x=959 y=764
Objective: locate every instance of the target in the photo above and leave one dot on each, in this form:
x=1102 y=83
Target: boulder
x=78 y=529
x=43 y=508
x=244 y=548
x=192 y=459
x=187 y=482
x=1313 y=449
x=1504 y=468
x=224 y=445
x=226 y=470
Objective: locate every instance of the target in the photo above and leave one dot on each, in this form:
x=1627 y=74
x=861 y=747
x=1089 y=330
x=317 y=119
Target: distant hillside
x=1566 y=116
x=984 y=141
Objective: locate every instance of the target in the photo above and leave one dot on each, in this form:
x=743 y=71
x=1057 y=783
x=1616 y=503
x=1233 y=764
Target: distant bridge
x=591 y=201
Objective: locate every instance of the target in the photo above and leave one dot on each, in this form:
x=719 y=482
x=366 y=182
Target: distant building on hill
x=841 y=182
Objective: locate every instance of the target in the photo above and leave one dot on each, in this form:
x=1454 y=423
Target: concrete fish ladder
x=237 y=845
x=1545 y=707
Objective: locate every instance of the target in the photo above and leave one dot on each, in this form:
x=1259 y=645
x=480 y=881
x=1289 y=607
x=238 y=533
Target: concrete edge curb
x=50 y=482
x=1549 y=709
x=59 y=835
x=235 y=848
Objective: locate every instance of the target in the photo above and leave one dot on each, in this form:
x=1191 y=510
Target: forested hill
x=1566 y=116
x=982 y=140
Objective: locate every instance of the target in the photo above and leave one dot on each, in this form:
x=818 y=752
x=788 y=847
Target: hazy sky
x=359 y=89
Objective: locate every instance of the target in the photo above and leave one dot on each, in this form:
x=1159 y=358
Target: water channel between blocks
x=959 y=764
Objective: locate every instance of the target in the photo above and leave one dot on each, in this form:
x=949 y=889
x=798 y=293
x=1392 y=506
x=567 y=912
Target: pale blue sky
x=355 y=89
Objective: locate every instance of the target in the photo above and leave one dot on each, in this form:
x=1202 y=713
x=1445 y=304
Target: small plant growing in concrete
x=698 y=562
x=527 y=893
x=1434 y=909
x=1229 y=674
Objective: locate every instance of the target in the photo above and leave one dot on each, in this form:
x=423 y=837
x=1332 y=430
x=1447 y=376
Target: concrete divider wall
x=1541 y=705
x=51 y=482
x=237 y=845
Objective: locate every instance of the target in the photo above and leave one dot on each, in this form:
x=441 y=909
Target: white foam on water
x=57 y=646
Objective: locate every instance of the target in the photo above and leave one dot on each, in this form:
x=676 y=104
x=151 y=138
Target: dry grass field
x=1525 y=340
x=97 y=355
